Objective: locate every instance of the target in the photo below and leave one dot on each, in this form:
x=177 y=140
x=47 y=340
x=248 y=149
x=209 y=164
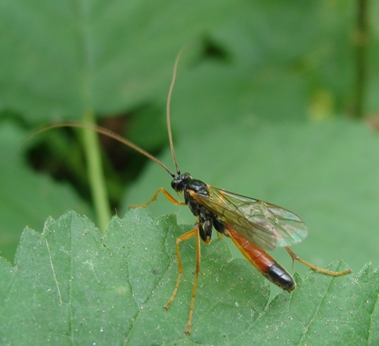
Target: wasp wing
x=265 y=224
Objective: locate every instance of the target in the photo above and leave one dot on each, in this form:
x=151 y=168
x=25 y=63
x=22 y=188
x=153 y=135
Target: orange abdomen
x=261 y=260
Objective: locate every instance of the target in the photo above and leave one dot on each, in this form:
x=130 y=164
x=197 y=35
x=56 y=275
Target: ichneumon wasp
x=253 y=225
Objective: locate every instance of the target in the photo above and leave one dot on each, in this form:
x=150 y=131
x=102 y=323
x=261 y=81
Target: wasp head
x=179 y=183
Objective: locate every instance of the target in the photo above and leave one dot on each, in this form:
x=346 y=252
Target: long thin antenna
x=168 y=115
x=108 y=133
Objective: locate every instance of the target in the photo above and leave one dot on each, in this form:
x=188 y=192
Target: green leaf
x=324 y=310
x=67 y=58
x=71 y=285
x=63 y=59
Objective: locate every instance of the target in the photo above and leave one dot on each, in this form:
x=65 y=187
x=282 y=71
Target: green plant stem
x=95 y=173
x=361 y=42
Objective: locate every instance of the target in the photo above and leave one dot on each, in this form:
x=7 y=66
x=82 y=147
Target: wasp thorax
x=198 y=186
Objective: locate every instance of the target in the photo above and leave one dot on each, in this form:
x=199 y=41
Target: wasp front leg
x=172 y=199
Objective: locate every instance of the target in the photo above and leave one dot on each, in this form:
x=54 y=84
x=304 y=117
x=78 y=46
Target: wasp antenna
x=107 y=133
x=168 y=115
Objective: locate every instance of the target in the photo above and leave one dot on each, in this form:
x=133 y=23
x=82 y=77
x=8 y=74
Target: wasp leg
x=154 y=198
x=194 y=232
x=317 y=269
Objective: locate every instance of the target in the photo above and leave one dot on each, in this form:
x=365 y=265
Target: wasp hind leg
x=172 y=199
x=313 y=267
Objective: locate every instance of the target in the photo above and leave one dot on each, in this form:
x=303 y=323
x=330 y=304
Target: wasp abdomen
x=262 y=261
x=279 y=276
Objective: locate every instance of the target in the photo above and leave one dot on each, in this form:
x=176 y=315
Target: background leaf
x=70 y=285
x=24 y=192
x=90 y=53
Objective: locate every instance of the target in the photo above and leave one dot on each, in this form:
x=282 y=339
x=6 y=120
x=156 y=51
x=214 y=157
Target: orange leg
x=197 y=271
x=154 y=198
x=194 y=232
x=317 y=269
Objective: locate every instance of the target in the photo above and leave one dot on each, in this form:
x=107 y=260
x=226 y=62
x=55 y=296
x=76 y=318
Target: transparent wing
x=266 y=225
